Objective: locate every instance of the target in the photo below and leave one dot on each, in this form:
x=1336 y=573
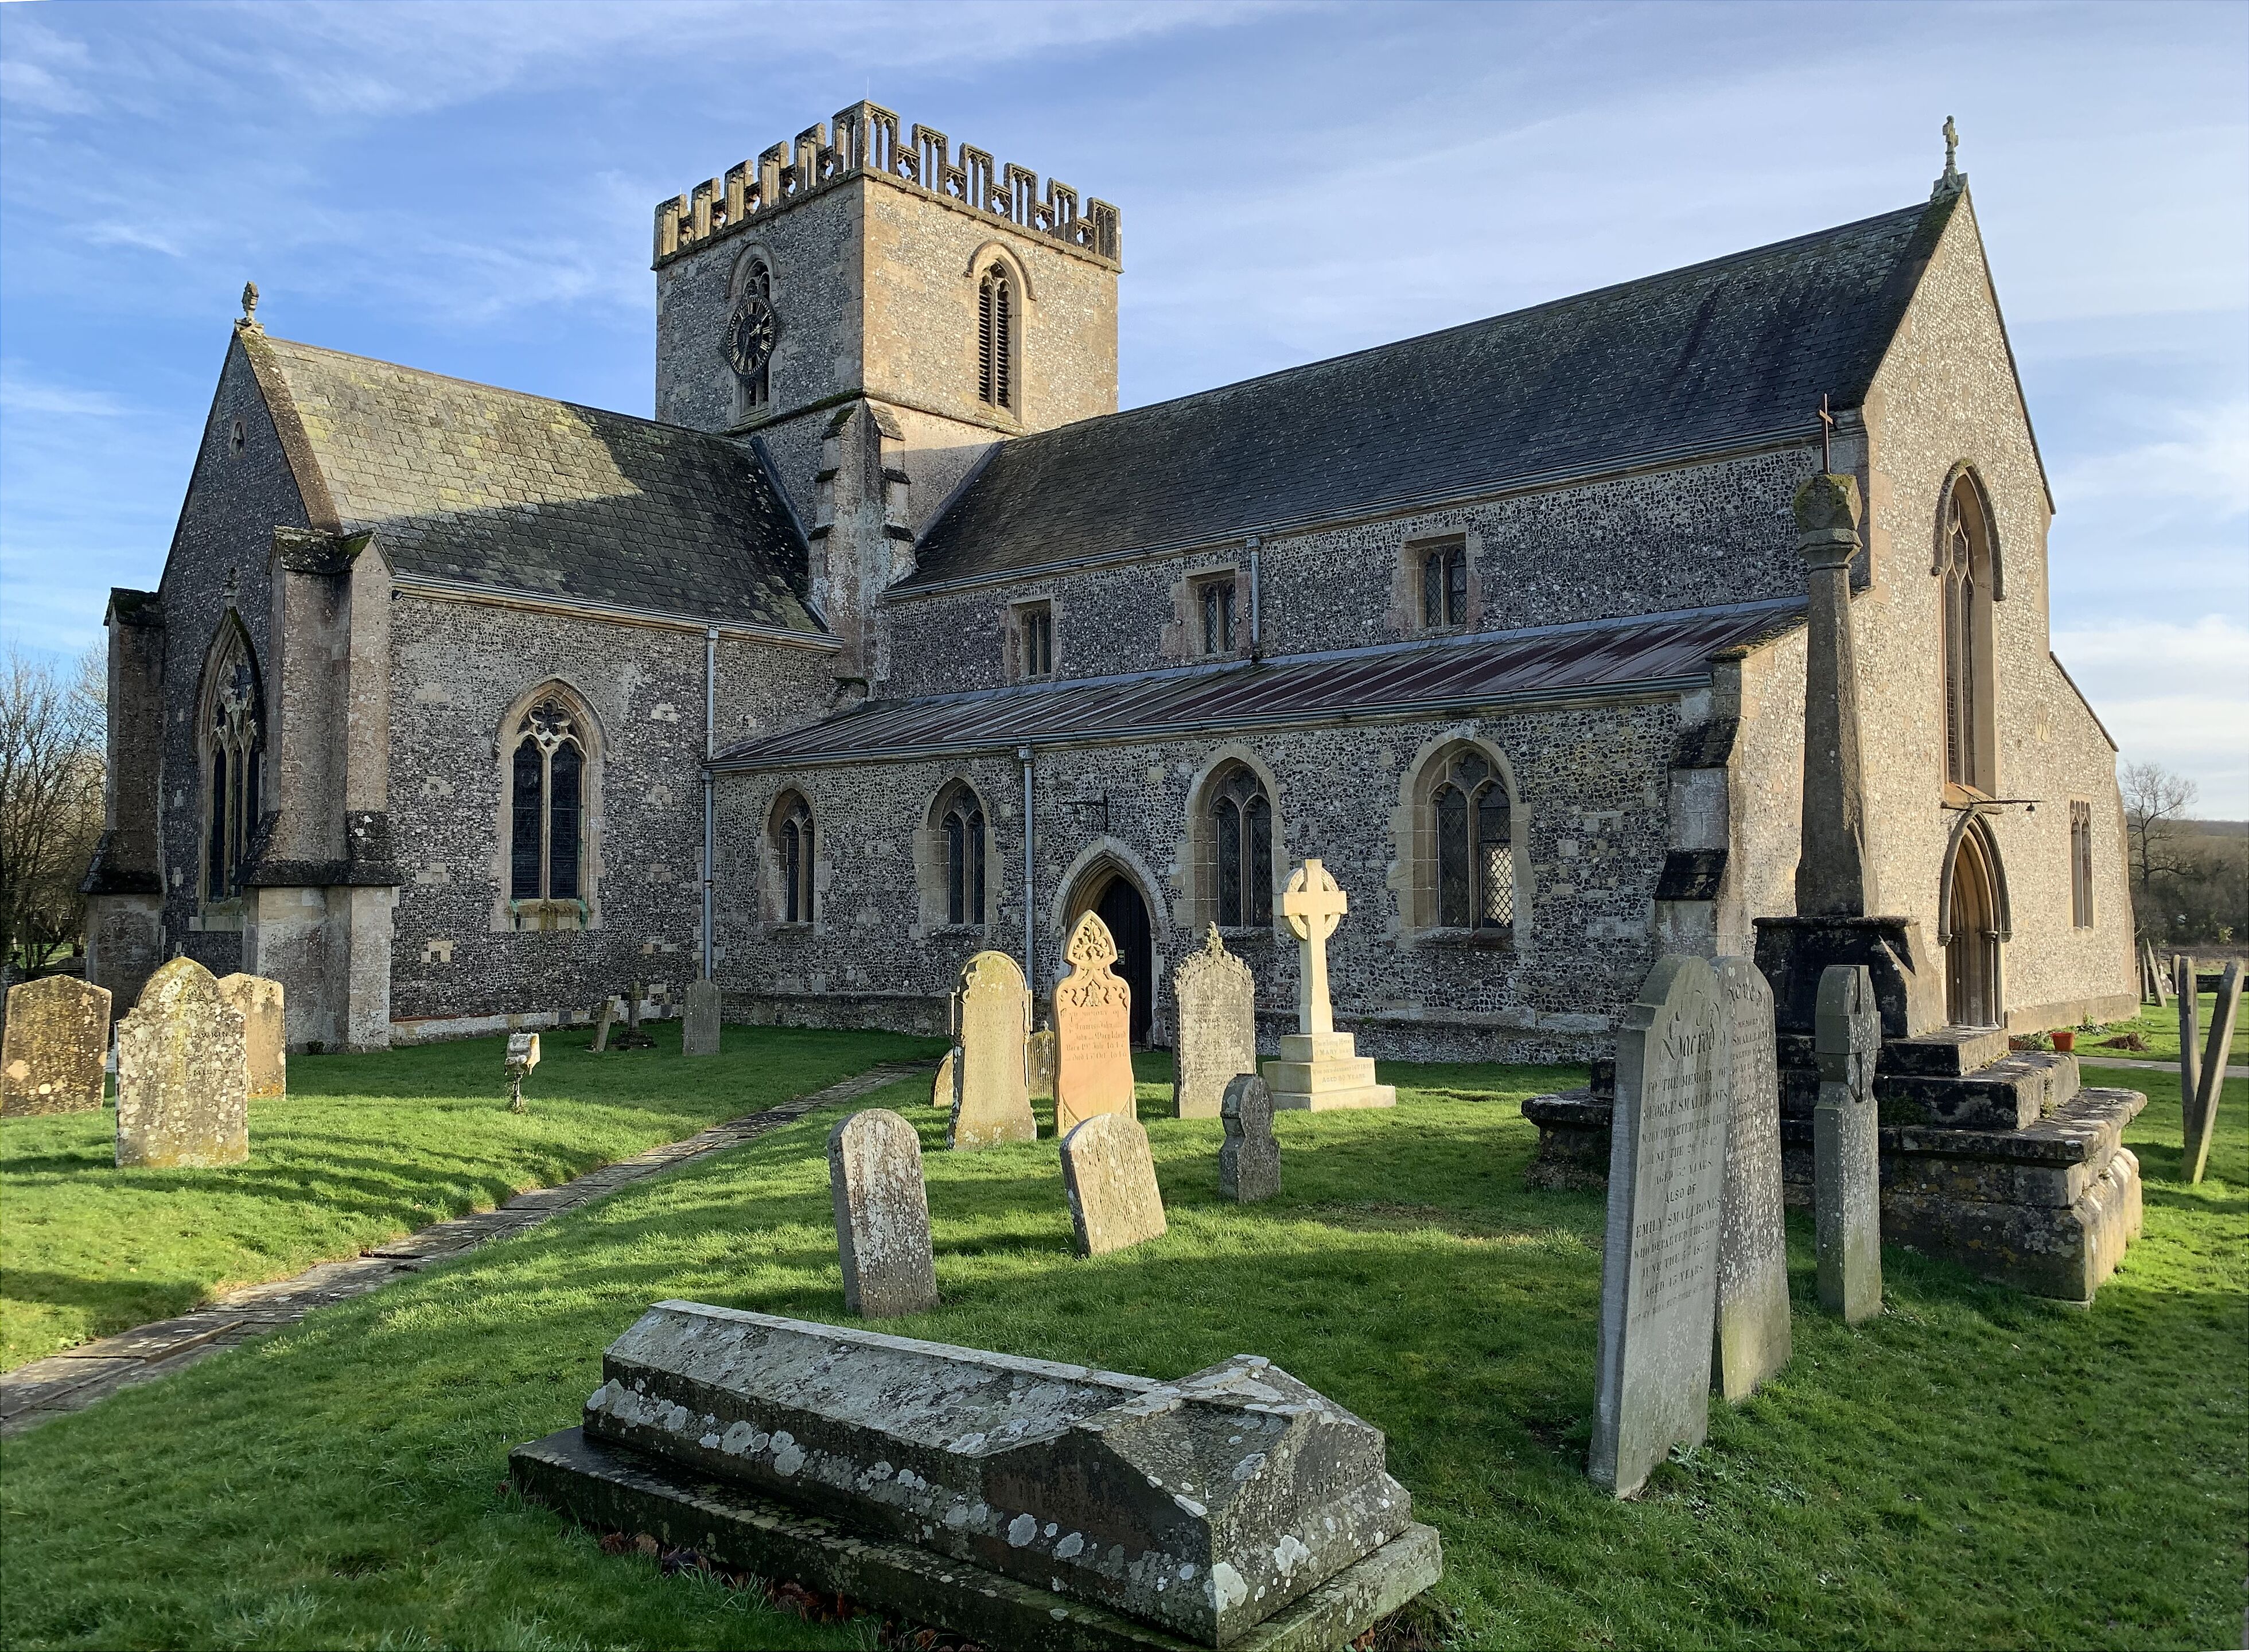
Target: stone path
x=2236 y=1071
x=72 y=1380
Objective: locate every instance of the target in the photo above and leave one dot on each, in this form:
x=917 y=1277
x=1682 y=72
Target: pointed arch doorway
x=1108 y=891
x=1973 y=930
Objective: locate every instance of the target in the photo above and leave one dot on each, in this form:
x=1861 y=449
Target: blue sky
x=468 y=188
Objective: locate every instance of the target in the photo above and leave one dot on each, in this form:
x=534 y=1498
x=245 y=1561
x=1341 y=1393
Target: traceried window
x=962 y=818
x=234 y=744
x=546 y=785
x=1241 y=851
x=1965 y=591
x=1214 y=614
x=1034 y=640
x=2080 y=864
x=792 y=857
x=1445 y=586
x=1476 y=845
x=995 y=338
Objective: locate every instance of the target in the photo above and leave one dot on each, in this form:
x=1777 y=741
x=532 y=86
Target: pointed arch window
x=1966 y=587
x=793 y=858
x=995 y=339
x=547 y=786
x=234 y=744
x=962 y=817
x=1241 y=851
x=1476 y=845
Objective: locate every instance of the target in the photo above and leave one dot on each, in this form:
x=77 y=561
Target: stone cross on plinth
x=1319 y=1068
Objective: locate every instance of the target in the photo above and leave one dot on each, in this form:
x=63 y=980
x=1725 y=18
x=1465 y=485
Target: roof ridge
x=1743 y=256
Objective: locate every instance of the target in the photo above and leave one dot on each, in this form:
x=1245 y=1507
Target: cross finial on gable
x=249 y=321
x=1952 y=178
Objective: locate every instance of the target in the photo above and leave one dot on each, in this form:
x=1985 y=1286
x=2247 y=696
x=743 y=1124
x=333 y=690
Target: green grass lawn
x=1975 y=1468
x=363 y=1148
x=2159 y=1029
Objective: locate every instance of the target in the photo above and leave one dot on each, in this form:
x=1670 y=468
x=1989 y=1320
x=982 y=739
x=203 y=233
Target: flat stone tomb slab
x=992 y=1101
x=1203 y=1507
x=182 y=1073
x=1111 y=1178
x=882 y=1214
x=1093 y=1030
x=1752 y=1325
x=1216 y=1036
x=51 y=1056
x=1660 y=1253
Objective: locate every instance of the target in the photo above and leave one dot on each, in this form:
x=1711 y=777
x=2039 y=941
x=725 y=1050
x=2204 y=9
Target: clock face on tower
x=749 y=342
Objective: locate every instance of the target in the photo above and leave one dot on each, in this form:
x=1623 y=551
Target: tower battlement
x=864 y=140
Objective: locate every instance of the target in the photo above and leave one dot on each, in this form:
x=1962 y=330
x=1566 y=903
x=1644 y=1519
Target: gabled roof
x=466 y=482
x=1593 y=660
x=1717 y=356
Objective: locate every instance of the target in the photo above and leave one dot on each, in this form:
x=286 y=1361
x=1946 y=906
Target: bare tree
x=52 y=741
x=2155 y=802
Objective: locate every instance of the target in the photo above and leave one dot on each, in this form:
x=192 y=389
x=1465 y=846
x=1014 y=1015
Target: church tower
x=873 y=313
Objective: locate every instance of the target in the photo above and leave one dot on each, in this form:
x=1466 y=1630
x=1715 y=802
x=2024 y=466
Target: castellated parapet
x=865 y=140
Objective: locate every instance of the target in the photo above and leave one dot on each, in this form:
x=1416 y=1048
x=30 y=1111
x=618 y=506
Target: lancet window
x=793 y=858
x=995 y=338
x=546 y=805
x=962 y=818
x=1241 y=851
x=1966 y=587
x=1214 y=610
x=1476 y=845
x=233 y=759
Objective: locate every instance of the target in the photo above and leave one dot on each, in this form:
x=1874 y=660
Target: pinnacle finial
x=249 y=322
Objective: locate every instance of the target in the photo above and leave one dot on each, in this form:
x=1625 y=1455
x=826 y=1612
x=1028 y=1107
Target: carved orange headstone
x=1093 y=1031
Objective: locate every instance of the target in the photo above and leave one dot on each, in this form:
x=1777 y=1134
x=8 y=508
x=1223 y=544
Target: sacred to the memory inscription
x=1658 y=1266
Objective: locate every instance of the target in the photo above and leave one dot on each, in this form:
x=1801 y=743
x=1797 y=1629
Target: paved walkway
x=2172 y=1065
x=32 y=1394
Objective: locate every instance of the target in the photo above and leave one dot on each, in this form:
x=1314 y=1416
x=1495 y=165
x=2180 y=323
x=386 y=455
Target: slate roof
x=464 y=482
x=1717 y=355
x=1587 y=661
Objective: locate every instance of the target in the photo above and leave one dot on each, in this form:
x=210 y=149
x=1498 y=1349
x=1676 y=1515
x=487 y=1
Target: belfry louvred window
x=1475 y=846
x=1241 y=851
x=995 y=339
x=547 y=807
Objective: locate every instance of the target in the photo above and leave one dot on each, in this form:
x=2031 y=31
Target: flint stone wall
x=1205 y=1505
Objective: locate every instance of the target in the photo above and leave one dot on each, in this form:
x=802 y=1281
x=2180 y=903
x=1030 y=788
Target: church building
x=890 y=639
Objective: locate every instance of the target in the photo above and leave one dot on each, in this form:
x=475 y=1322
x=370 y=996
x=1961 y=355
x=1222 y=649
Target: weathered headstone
x=1216 y=1035
x=1319 y=1068
x=1846 y=1193
x=1048 y=1496
x=1111 y=1180
x=1752 y=1323
x=940 y=1085
x=2202 y=1116
x=1040 y=1053
x=699 y=1021
x=522 y=1056
x=607 y=1019
x=1093 y=1031
x=633 y=1038
x=991 y=1101
x=265 y=1031
x=1249 y=1162
x=182 y=1073
x=2190 y=1014
x=882 y=1216
x=51 y=1055
x=1658 y=1260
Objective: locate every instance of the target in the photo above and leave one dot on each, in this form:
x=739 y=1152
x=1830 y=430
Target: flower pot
x=2065 y=1040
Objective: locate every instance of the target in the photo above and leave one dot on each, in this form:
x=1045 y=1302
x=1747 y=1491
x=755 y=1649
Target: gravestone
x=51 y=1054
x=698 y=1021
x=2189 y=1017
x=1660 y=1255
x=632 y=1038
x=882 y=1216
x=1847 y=1195
x=1019 y=1503
x=2201 y=1116
x=1111 y=1180
x=265 y=1031
x=1217 y=1028
x=1093 y=1031
x=1040 y=1053
x=940 y=1087
x=1751 y=1325
x=182 y=1073
x=1249 y=1162
x=991 y=1102
x=522 y=1056
x=1319 y=1068
x=607 y=1019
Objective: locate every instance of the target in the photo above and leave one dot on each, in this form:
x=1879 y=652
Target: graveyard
x=1971 y=1467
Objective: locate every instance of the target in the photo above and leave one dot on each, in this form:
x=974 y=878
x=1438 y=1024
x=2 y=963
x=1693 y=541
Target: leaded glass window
x=234 y=737
x=546 y=802
x=1476 y=845
x=793 y=847
x=963 y=858
x=1444 y=586
x=1241 y=851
